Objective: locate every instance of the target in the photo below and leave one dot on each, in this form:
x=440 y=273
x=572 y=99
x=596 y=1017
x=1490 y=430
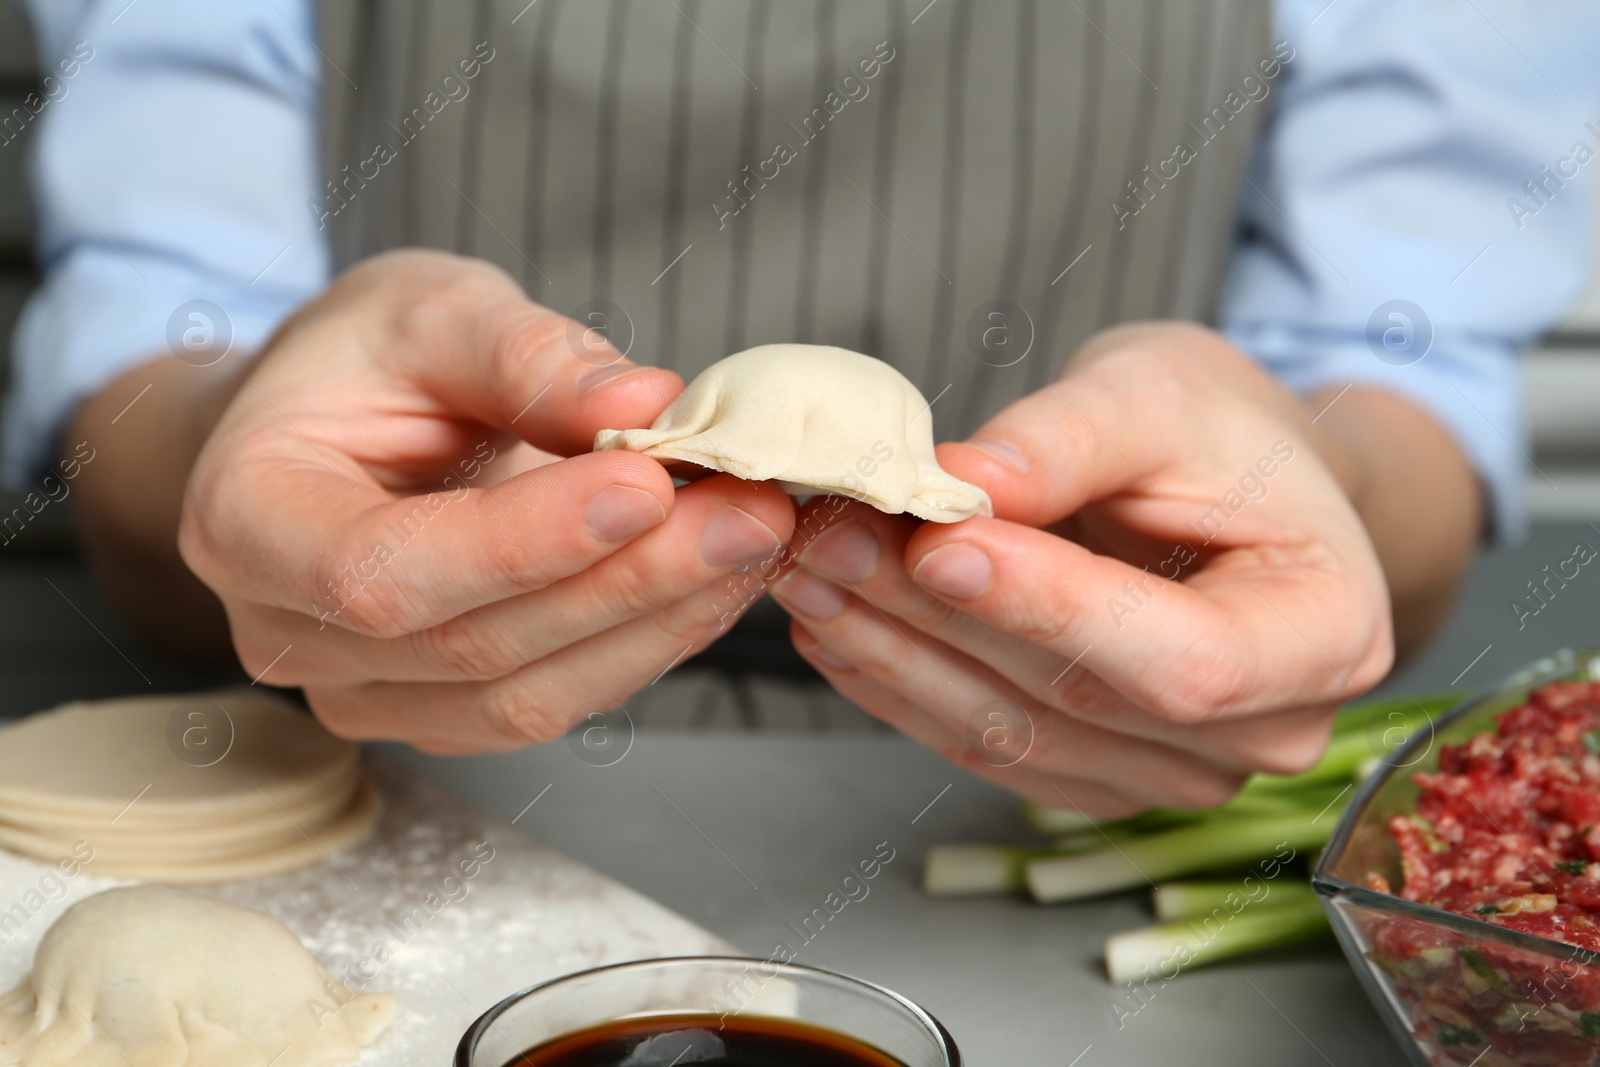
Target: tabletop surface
x=747 y=835
x=688 y=810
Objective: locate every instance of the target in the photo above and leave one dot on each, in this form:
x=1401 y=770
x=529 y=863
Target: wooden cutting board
x=449 y=908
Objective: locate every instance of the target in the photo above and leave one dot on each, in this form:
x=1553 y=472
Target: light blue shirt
x=1431 y=152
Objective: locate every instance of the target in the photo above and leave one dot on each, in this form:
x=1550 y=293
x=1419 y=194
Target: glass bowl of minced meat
x=1463 y=880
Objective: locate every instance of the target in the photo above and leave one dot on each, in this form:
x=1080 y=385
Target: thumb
x=1046 y=455
x=554 y=381
x=464 y=334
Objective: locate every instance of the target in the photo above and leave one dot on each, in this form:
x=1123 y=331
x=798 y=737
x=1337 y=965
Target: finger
x=463 y=332
x=954 y=688
x=1088 y=435
x=536 y=703
x=886 y=704
x=357 y=558
x=1248 y=633
x=716 y=526
x=862 y=550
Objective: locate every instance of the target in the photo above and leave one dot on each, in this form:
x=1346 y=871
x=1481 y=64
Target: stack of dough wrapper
x=199 y=787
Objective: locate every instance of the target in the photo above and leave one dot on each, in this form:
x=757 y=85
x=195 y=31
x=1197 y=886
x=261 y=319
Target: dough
x=179 y=864
x=94 y=757
x=817 y=419
x=272 y=792
x=174 y=980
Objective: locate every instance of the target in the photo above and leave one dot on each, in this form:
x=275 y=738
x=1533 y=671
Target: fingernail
x=960 y=571
x=823 y=656
x=620 y=511
x=810 y=596
x=591 y=380
x=847 y=551
x=1004 y=451
x=736 y=536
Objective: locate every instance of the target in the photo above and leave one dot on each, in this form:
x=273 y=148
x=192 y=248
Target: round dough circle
x=94 y=758
x=282 y=794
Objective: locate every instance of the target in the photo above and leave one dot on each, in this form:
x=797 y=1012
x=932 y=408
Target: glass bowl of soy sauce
x=707 y=1011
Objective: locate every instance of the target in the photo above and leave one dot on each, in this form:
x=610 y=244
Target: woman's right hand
x=387 y=514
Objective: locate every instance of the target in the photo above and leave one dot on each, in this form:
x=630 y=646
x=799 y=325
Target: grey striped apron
x=966 y=190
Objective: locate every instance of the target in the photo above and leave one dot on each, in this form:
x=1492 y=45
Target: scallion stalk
x=1187 y=900
x=1166 y=949
x=1175 y=853
x=971 y=870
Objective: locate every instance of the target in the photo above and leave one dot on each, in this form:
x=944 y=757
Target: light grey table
x=1017 y=984
x=747 y=834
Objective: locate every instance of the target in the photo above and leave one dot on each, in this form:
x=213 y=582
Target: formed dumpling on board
x=817 y=419
x=151 y=977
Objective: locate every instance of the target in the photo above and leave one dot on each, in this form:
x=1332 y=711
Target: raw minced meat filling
x=1508 y=829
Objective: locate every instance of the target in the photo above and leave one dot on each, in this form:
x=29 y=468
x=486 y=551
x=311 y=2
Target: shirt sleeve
x=1421 y=207
x=173 y=164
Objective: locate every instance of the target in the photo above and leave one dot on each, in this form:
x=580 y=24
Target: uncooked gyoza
x=152 y=977
x=817 y=419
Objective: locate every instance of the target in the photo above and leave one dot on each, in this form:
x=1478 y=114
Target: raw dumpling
x=152 y=977
x=817 y=419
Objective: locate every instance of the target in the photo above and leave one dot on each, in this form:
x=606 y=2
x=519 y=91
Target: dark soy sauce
x=691 y=1040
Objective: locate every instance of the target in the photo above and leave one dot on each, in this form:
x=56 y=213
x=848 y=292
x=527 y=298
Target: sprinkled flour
x=449 y=908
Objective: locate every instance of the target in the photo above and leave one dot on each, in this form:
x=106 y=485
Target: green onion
x=1350 y=757
x=1055 y=820
x=1188 y=900
x=970 y=870
x=1273 y=819
x=1174 y=853
x=1455 y=1035
x=1247 y=804
x=1166 y=949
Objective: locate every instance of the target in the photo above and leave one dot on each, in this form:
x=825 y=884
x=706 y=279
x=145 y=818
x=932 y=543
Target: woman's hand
x=1174 y=591
x=385 y=514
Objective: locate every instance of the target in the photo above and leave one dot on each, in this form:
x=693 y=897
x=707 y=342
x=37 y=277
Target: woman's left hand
x=1174 y=591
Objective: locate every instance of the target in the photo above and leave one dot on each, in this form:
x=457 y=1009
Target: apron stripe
x=683 y=54
x=538 y=138
x=1202 y=49
x=948 y=250
x=1114 y=292
x=606 y=143
x=883 y=161
x=755 y=50
x=816 y=171
x=1074 y=218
